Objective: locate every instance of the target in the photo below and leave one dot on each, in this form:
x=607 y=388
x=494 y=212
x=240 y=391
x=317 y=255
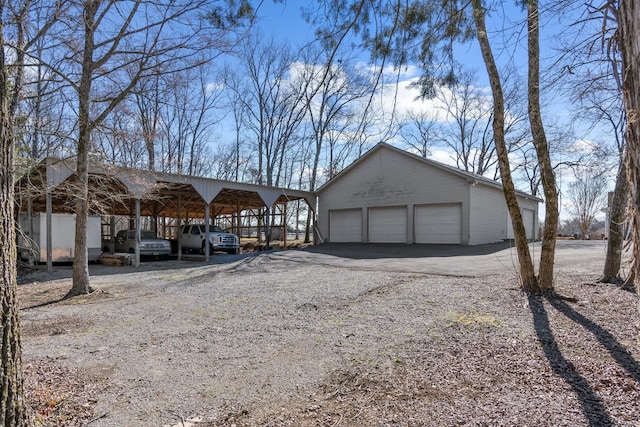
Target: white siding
x=389 y=178
x=529 y=219
x=488 y=215
x=346 y=225
x=438 y=223
x=388 y=224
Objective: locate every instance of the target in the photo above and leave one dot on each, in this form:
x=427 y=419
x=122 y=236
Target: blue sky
x=283 y=21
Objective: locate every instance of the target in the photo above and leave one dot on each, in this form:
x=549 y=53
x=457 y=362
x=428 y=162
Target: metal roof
x=469 y=176
x=113 y=190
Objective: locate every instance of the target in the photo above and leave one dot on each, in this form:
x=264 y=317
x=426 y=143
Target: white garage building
x=391 y=196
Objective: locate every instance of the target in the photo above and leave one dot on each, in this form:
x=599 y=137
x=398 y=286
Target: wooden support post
x=137 y=257
x=284 y=225
x=179 y=230
x=49 y=208
x=112 y=233
x=207 y=220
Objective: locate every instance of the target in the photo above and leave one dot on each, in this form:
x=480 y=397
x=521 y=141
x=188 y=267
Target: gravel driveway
x=316 y=337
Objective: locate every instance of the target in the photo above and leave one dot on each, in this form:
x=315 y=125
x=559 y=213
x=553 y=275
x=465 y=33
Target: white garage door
x=528 y=218
x=388 y=224
x=438 y=223
x=345 y=225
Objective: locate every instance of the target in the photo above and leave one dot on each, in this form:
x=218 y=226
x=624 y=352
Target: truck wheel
x=210 y=249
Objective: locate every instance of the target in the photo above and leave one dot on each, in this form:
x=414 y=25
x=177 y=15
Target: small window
x=195 y=229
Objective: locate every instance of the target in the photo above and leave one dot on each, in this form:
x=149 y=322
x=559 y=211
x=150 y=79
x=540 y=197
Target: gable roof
x=469 y=176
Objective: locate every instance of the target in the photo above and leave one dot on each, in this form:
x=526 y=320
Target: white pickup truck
x=193 y=239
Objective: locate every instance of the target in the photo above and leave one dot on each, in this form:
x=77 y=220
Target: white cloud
x=583 y=146
x=442 y=156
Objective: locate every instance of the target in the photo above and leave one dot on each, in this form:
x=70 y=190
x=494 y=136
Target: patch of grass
x=202 y=312
x=473 y=320
x=237 y=301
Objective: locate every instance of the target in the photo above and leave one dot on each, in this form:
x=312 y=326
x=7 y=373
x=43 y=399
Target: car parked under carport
x=150 y=244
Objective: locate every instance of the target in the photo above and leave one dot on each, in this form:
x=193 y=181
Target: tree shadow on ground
x=618 y=351
x=592 y=406
x=45 y=304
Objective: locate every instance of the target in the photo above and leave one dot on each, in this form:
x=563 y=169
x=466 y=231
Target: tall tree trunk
x=549 y=234
x=13 y=407
x=629 y=44
x=527 y=272
x=12 y=404
x=617 y=214
x=81 y=283
x=584 y=230
x=547 y=254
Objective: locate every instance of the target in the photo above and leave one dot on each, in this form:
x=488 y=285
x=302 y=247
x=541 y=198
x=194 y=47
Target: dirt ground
x=305 y=338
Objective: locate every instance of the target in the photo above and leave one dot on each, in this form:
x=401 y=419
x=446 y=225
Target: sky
x=283 y=21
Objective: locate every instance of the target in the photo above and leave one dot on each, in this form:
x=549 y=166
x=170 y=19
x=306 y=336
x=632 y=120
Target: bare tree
x=528 y=279
x=418 y=131
x=115 y=141
x=275 y=105
x=14 y=409
x=187 y=116
x=628 y=43
x=17 y=39
x=592 y=53
x=235 y=93
x=109 y=46
x=332 y=102
x=148 y=98
x=588 y=196
x=603 y=108
x=549 y=234
x=421 y=31
x=468 y=133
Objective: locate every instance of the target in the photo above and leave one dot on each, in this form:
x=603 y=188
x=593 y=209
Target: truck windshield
x=215 y=229
x=147 y=234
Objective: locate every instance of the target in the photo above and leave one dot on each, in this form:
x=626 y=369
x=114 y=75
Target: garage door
x=388 y=224
x=345 y=225
x=528 y=218
x=438 y=223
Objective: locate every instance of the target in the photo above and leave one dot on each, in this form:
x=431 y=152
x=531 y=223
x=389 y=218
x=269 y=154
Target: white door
x=388 y=224
x=438 y=223
x=529 y=226
x=345 y=225
x=528 y=218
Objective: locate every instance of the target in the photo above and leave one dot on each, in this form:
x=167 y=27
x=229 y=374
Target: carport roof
x=113 y=190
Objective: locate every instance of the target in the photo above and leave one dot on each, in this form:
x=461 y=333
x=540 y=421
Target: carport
x=50 y=187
